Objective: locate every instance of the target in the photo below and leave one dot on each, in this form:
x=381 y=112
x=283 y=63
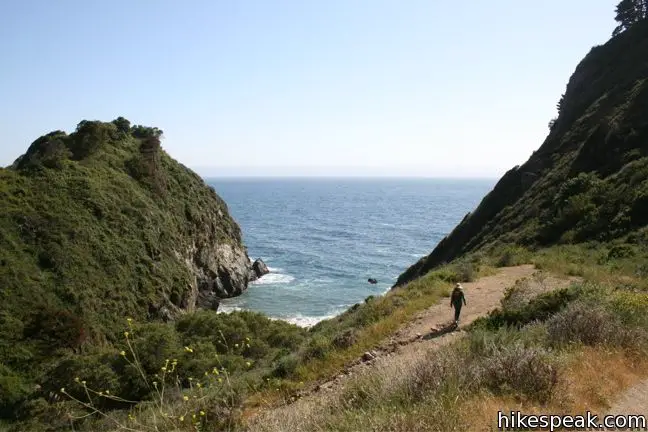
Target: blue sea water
x=323 y=238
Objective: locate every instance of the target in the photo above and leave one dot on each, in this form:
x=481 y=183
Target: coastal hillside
x=102 y=223
x=589 y=179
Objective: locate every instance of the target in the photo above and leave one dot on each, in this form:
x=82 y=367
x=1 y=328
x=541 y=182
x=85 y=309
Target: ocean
x=322 y=238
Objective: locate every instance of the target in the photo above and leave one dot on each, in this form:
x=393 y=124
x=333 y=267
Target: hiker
x=457 y=299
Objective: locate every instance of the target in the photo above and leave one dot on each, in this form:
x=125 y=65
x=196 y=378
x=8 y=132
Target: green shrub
x=590 y=324
x=482 y=343
x=516 y=369
x=345 y=339
x=371 y=311
x=516 y=295
x=446 y=274
x=227 y=330
x=94 y=370
x=257 y=349
x=286 y=366
x=56 y=328
x=89 y=137
x=155 y=342
x=510 y=256
x=540 y=308
x=122 y=124
x=14 y=389
x=466 y=272
x=621 y=251
x=318 y=347
x=439 y=371
x=41 y=415
x=631 y=308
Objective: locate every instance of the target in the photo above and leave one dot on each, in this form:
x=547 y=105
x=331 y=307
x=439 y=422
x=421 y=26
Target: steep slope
x=101 y=224
x=588 y=180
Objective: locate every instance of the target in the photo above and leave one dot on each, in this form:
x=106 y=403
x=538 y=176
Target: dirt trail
x=633 y=401
x=434 y=326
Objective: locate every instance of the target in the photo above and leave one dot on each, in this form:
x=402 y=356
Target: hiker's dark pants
x=457 y=311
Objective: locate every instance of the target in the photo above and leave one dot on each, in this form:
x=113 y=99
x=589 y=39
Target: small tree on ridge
x=628 y=13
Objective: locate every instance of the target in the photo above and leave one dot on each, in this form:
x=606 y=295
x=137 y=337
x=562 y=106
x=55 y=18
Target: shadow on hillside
x=440 y=331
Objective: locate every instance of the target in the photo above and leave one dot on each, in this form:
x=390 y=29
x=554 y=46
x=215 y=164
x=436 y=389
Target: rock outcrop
x=259 y=269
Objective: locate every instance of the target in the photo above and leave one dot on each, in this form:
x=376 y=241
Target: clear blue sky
x=294 y=87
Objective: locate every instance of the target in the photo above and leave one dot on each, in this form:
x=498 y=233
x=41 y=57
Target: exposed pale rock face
x=221 y=271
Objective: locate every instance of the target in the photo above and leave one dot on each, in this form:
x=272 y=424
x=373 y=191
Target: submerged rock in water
x=259 y=268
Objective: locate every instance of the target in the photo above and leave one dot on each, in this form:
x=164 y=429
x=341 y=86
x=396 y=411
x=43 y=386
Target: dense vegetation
x=92 y=221
x=589 y=179
x=91 y=227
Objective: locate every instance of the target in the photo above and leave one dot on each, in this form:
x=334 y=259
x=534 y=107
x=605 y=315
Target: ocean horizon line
x=342 y=177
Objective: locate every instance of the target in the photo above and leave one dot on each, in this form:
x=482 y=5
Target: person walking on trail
x=457 y=299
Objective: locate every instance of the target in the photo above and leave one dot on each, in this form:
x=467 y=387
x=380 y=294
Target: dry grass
x=420 y=295
x=583 y=387
x=437 y=392
x=423 y=390
x=541 y=369
x=551 y=367
x=379 y=400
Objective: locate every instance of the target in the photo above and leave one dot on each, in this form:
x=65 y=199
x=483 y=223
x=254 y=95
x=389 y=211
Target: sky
x=433 y=88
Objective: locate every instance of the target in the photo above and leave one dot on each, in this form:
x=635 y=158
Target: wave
x=273 y=278
x=228 y=309
x=305 y=321
x=298 y=319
